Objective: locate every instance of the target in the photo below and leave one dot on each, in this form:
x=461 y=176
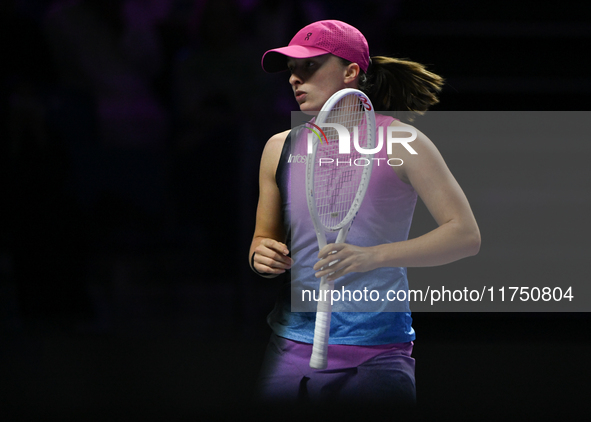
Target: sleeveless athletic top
x=384 y=217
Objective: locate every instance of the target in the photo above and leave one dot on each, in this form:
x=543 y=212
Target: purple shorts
x=383 y=373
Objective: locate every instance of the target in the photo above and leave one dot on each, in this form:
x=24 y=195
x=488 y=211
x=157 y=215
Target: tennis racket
x=335 y=186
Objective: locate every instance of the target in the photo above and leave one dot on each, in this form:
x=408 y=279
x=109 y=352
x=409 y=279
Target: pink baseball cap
x=318 y=38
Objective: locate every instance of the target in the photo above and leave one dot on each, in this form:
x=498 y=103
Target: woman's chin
x=307 y=109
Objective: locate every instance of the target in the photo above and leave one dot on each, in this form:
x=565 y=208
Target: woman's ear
x=351 y=72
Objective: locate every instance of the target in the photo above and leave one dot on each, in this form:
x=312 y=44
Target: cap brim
x=276 y=60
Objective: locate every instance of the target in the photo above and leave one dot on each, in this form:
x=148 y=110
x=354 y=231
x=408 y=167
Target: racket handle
x=319 y=359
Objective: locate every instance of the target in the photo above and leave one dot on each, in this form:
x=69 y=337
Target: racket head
x=336 y=182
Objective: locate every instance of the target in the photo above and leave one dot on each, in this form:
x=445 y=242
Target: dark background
x=130 y=138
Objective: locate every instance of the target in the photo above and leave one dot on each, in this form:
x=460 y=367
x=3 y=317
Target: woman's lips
x=300 y=96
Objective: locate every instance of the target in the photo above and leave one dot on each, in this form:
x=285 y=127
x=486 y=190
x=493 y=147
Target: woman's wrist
x=267 y=275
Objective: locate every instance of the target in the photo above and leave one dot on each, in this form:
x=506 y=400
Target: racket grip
x=319 y=358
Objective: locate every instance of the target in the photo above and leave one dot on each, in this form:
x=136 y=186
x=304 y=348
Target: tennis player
x=370 y=353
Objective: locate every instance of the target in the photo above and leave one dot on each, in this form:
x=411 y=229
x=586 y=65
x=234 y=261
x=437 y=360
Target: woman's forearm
x=447 y=243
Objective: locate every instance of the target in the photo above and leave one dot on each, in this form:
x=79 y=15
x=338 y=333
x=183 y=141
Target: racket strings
x=338 y=176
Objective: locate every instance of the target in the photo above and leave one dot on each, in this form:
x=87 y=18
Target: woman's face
x=315 y=79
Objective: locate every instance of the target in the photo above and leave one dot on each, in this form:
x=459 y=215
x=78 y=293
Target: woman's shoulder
x=279 y=137
x=275 y=143
x=388 y=120
x=272 y=151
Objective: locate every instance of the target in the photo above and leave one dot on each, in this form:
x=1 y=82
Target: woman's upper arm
x=269 y=222
x=429 y=175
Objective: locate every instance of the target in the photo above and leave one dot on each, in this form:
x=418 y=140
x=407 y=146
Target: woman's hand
x=347 y=259
x=270 y=257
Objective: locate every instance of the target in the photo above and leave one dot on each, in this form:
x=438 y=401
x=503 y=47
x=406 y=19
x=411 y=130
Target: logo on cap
x=308 y=36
